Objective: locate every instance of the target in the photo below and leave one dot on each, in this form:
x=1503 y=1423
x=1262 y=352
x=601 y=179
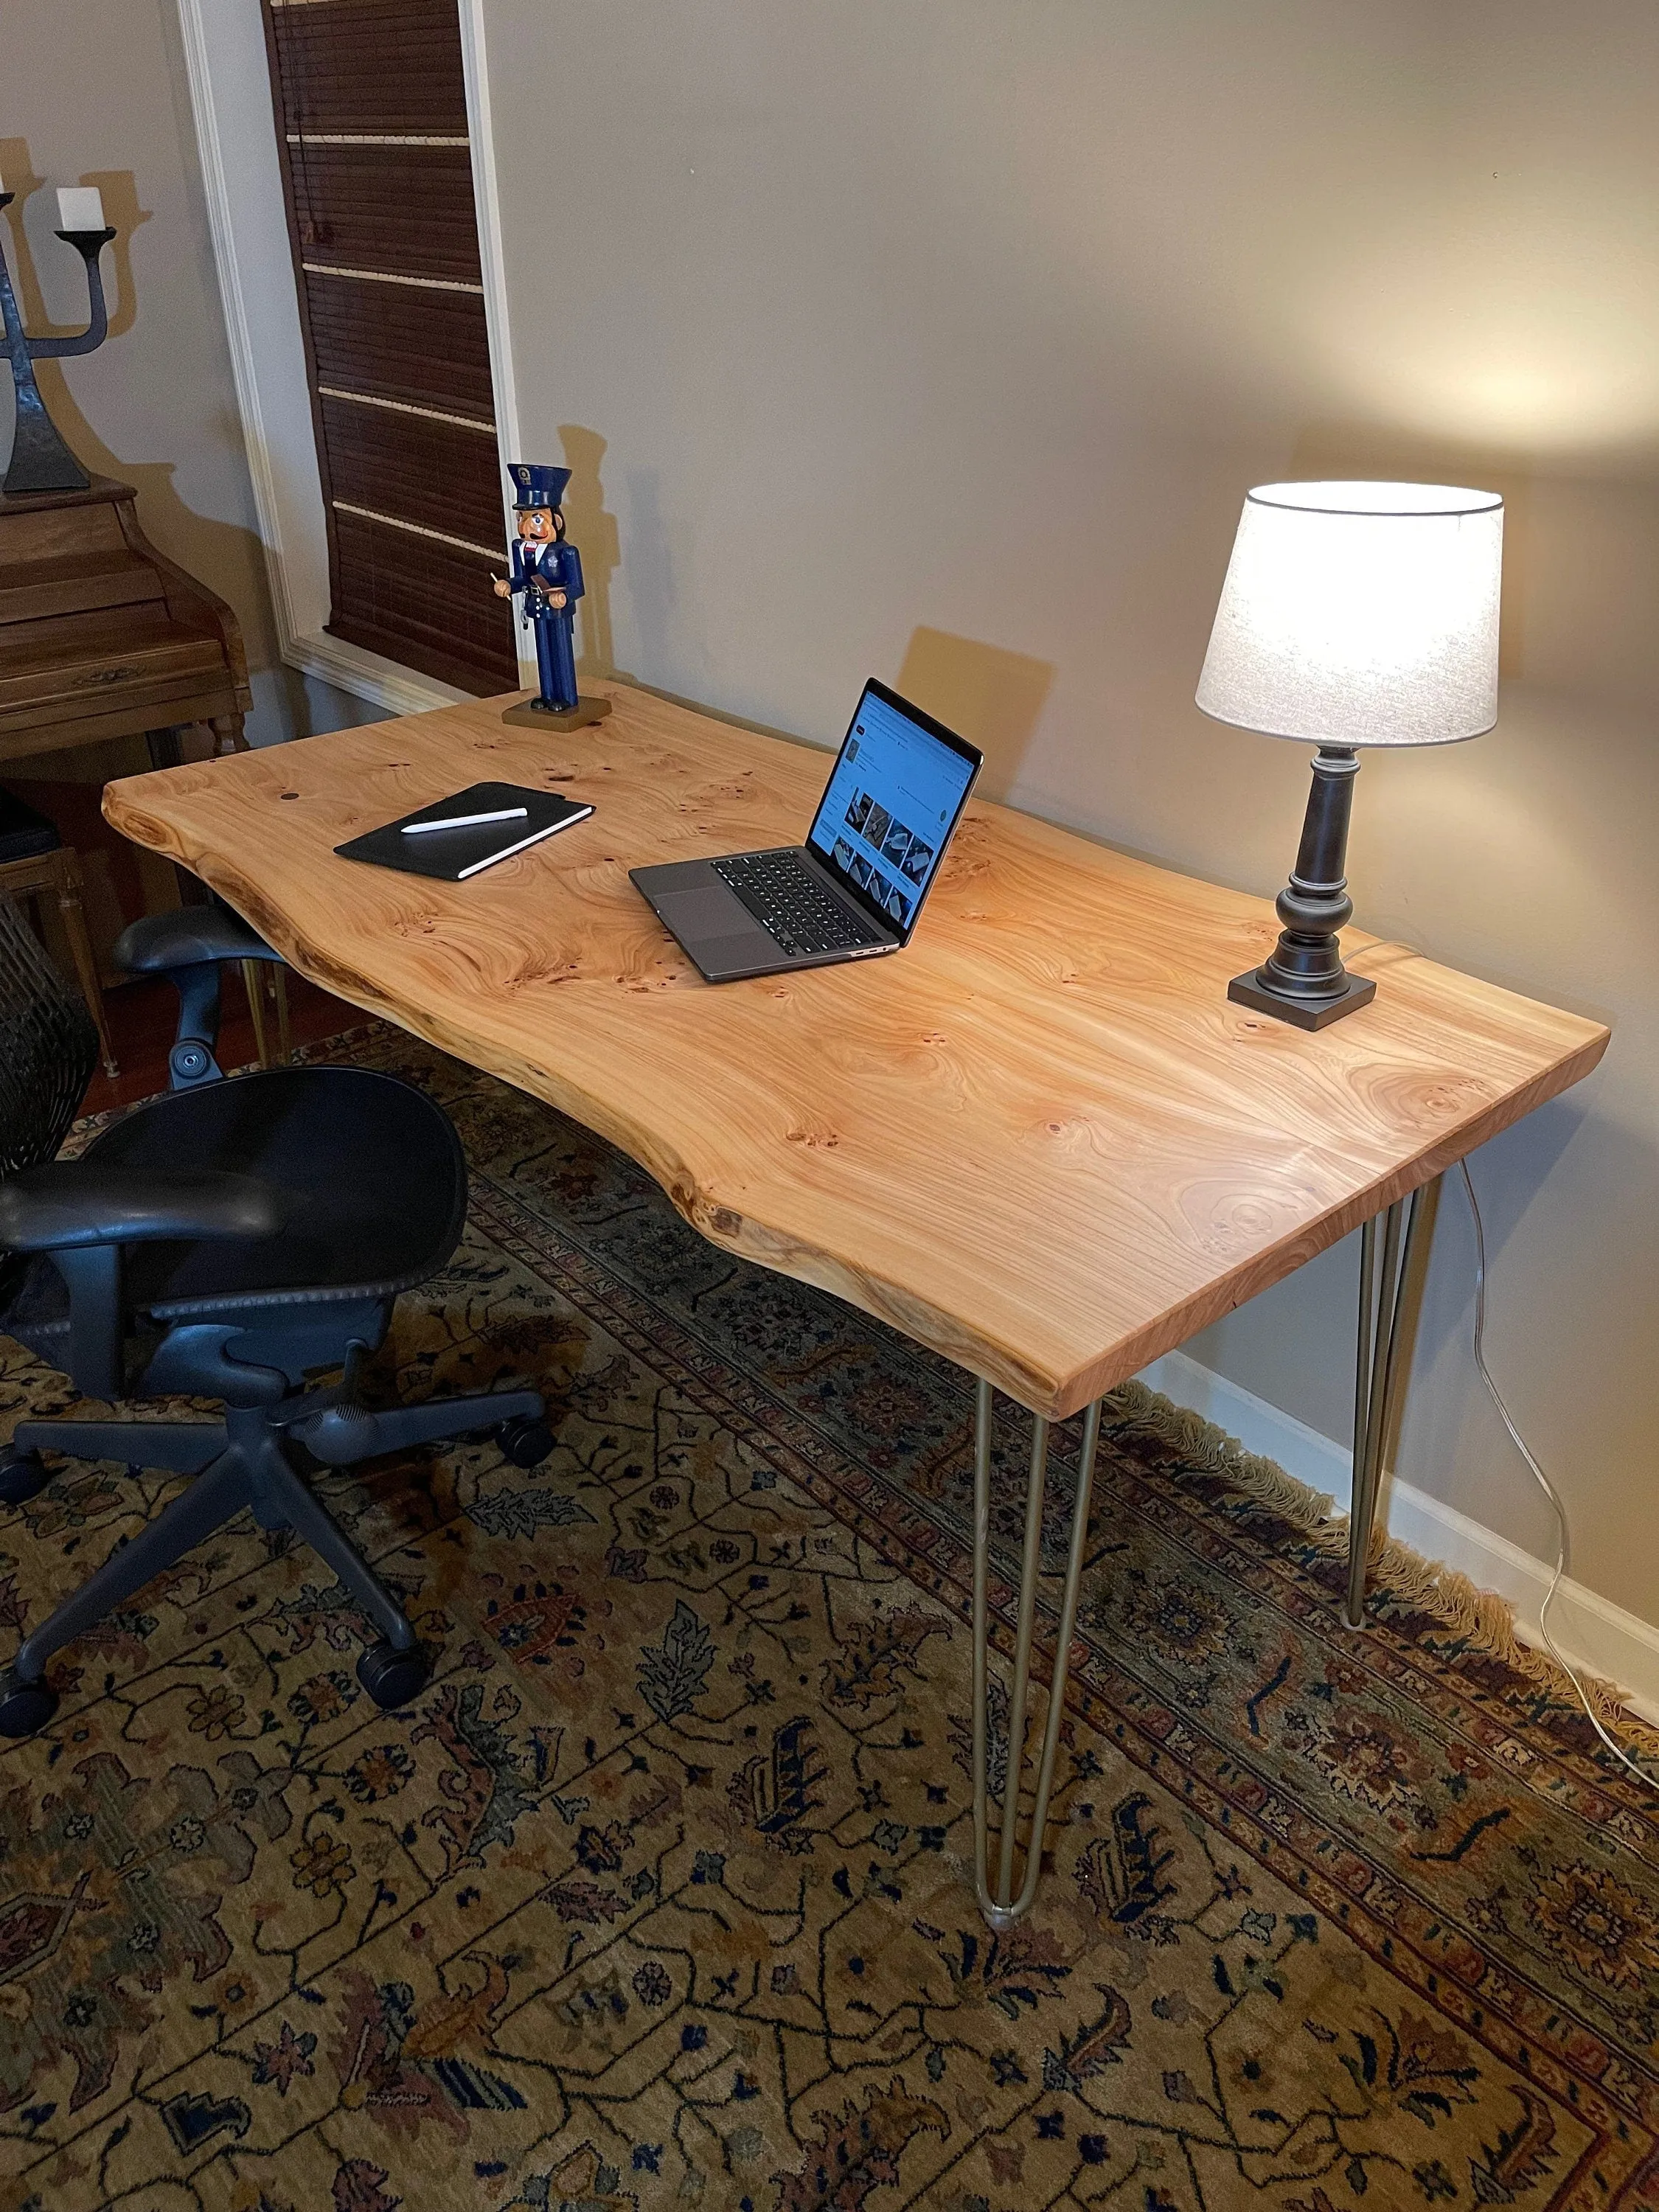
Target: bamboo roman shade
x=372 y=126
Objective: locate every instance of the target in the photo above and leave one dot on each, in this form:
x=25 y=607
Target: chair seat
x=373 y=1186
x=24 y=832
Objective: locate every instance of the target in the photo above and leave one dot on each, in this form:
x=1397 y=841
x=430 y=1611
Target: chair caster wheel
x=23 y=1474
x=394 y=1678
x=25 y=1706
x=525 y=1441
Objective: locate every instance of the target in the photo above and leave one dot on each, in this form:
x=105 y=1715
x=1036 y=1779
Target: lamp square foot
x=530 y=716
x=1248 y=991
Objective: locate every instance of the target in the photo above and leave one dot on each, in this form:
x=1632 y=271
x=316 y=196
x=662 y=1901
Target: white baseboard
x=1593 y=1632
x=367 y=675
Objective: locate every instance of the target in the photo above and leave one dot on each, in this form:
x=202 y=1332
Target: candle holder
x=40 y=461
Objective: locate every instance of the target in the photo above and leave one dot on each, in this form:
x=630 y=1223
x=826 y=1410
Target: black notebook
x=523 y=817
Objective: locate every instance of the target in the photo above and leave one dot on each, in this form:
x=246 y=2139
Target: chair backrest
x=48 y=1047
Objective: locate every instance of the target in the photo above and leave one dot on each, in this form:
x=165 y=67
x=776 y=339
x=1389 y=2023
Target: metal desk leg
x=1379 y=1371
x=1004 y=1909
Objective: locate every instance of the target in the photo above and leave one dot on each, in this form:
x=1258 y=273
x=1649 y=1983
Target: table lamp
x=1352 y=614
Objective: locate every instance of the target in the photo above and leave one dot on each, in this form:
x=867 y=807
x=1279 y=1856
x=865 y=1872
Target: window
x=372 y=129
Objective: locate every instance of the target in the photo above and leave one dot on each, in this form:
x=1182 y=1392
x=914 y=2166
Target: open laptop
x=855 y=888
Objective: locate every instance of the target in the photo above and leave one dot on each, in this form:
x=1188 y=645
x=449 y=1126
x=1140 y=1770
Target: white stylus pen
x=466 y=821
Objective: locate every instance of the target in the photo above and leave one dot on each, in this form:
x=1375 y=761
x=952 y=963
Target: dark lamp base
x=533 y=716
x=1306 y=1013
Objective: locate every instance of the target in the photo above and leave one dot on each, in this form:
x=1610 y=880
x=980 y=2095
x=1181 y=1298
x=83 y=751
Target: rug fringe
x=1479 y=1619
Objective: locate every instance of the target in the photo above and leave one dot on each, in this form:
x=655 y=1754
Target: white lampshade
x=1359 y=614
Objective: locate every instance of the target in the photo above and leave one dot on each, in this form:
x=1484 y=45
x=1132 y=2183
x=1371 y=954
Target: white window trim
x=236 y=135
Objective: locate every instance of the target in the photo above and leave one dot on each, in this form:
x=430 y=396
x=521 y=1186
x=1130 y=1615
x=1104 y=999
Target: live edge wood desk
x=1041 y=1140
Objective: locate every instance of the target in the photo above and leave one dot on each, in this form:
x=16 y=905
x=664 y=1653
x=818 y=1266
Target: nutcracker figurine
x=549 y=572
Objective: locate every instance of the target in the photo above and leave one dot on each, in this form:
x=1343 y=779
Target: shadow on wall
x=990 y=697
x=1581 y=549
x=595 y=537
x=223 y=556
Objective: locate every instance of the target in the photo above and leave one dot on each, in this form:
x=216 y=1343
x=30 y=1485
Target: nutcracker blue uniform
x=549 y=574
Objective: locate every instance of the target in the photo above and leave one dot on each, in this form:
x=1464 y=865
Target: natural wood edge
x=1176 y=1326
x=1057 y=1398
x=1053 y=1395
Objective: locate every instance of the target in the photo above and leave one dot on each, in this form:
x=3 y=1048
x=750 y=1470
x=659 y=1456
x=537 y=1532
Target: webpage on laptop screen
x=893 y=796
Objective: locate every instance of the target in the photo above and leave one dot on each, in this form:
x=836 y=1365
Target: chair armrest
x=188 y=947
x=160 y=944
x=68 y=1205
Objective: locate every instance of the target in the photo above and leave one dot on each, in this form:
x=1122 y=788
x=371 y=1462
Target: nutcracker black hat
x=536 y=485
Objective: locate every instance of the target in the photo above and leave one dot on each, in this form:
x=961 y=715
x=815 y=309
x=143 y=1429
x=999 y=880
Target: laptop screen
x=891 y=803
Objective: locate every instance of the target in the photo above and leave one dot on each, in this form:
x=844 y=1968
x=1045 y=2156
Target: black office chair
x=230 y=1241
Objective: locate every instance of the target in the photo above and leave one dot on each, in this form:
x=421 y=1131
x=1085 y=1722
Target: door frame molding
x=231 y=104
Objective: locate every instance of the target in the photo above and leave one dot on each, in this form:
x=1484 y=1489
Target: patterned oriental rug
x=659 y=1897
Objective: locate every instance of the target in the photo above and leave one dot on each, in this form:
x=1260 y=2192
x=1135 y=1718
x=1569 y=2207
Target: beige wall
x=95 y=92
x=872 y=328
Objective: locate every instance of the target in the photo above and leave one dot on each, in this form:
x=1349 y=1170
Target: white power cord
x=1562 y=1533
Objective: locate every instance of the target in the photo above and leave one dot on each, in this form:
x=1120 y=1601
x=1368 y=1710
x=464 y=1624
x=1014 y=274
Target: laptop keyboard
x=788 y=903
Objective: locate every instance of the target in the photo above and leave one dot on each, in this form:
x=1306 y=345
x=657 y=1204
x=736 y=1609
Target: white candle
x=80 y=207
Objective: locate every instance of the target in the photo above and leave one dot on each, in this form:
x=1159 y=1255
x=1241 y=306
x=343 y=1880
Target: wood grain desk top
x=1040 y=1140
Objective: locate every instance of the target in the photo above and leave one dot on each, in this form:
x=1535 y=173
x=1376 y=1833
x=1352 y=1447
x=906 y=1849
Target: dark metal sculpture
x=40 y=461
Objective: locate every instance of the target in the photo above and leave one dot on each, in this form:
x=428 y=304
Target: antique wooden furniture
x=1041 y=1140
x=102 y=636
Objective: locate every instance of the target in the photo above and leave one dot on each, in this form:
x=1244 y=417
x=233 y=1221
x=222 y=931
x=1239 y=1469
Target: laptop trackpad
x=711 y=910
x=717 y=928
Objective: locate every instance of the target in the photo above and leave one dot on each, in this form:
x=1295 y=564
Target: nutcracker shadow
x=597 y=535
